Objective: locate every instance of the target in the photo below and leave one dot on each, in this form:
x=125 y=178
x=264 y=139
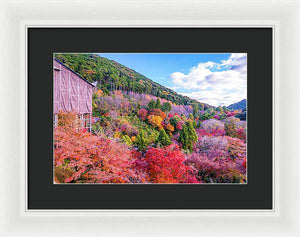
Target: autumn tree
x=166 y=165
x=143 y=114
x=155 y=121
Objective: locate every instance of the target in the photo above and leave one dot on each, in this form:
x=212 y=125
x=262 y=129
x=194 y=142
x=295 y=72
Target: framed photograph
x=150 y=123
x=179 y=131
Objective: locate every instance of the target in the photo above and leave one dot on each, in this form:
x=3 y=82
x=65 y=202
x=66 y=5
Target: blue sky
x=216 y=79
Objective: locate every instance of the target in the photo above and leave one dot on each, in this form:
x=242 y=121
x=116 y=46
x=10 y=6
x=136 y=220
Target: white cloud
x=215 y=83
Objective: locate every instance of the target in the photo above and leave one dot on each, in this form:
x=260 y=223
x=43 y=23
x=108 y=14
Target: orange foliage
x=99 y=93
x=68 y=120
x=118 y=93
x=155 y=121
x=158 y=112
x=170 y=127
x=89 y=72
x=133 y=138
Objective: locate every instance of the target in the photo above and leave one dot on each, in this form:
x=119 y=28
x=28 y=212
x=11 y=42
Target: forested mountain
x=111 y=75
x=239 y=105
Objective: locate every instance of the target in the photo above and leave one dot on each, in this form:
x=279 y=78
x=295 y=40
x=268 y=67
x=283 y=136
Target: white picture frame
x=282 y=15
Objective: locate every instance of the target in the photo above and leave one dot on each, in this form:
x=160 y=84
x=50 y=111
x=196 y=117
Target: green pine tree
x=166 y=107
x=163 y=138
x=188 y=136
x=183 y=137
x=196 y=110
x=158 y=104
x=141 y=141
x=151 y=105
x=192 y=132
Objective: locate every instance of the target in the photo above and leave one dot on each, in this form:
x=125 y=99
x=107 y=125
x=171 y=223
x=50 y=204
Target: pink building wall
x=71 y=93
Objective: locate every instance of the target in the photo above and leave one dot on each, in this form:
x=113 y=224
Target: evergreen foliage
x=196 y=110
x=163 y=139
x=141 y=141
x=188 y=136
x=166 y=107
x=151 y=105
x=127 y=140
x=192 y=132
x=158 y=104
x=206 y=115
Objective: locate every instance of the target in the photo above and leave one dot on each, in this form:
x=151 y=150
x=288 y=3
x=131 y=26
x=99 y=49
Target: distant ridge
x=238 y=105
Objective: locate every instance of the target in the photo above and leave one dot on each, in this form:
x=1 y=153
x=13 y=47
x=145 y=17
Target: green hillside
x=111 y=75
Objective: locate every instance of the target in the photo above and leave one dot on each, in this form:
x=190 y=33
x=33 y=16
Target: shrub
x=211 y=132
x=92 y=159
x=212 y=124
x=96 y=128
x=236 y=148
x=61 y=173
x=127 y=129
x=231 y=125
x=68 y=120
x=241 y=133
x=212 y=147
x=166 y=165
x=143 y=114
x=217 y=171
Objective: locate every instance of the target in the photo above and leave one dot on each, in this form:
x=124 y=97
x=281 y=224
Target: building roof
x=92 y=84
